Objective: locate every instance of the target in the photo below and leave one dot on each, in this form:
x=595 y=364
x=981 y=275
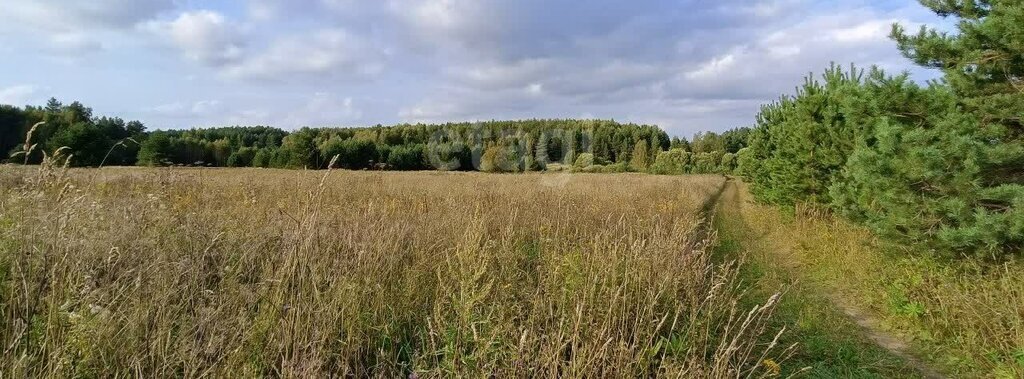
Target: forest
x=493 y=146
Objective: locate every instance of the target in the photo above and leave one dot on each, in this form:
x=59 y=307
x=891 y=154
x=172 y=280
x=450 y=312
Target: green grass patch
x=829 y=343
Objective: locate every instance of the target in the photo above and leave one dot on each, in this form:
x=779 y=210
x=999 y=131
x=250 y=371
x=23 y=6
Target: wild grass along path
x=728 y=203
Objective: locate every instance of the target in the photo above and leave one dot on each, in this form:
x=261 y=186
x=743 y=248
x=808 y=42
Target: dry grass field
x=235 y=272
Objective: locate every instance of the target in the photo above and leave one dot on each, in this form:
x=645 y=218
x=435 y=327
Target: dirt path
x=871 y=327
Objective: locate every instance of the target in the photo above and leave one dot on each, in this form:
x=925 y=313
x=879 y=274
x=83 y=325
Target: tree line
x=938 y=166
x=494 y=146
x=93 y=140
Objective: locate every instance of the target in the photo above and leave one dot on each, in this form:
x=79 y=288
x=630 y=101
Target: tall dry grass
x=178 y=272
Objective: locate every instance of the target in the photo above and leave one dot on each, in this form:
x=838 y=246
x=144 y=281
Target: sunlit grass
x=179 y=272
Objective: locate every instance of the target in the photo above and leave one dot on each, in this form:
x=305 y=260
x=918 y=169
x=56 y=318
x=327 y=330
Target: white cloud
x=867 y=31
x=210 y=38
x=714 y=72
x=75 y=44
x=180 y=109
x=324 y=109
x=18 y=95
x=203 y=36
x=75 y=28
x=713 y=68
x=330 y=52
x=205 y=106
x=683 y=63
x=503 y=75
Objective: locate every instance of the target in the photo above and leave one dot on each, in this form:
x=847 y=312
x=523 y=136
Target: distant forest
x=493 y=146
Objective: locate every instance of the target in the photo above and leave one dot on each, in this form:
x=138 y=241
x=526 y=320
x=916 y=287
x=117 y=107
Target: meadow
x=257 y=272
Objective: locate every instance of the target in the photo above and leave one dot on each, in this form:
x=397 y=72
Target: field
x=250 y=272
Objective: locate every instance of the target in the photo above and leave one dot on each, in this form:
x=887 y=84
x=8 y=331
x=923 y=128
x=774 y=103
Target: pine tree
x=542 y=151
x=953 y=176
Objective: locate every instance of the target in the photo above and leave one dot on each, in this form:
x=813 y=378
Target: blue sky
x=685 y=65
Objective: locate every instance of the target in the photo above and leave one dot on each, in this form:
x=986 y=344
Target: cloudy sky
x=686 y=65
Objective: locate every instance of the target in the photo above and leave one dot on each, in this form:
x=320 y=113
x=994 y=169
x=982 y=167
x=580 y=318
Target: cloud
x=73 y=44
x=75 y=28
x=72 y=15
x=714 y=63
x=682 y=63
x=324 y=109
x=202 y=36
x=714 y=68
x=182 y=109
x=331 y=53
x=19 y=95
x=236 y=51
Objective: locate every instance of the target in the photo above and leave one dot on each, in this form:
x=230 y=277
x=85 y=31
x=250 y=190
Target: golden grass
x=206 y=272
x=964 y=316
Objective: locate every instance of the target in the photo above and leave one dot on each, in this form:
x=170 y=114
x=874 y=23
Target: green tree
x=298 y=150
x=242 y=157
x=12 y=129
x=86 y=141
x=706 y=142
x=728 y=163
x=156 y=150
x=671 y=162
x=945 y=170
x=639 y=161
x=735 y=139
x=541 y=149
x=263 y=157
x=407 y=157
x=499 y=158
x=583 y=161
x=802 y=142
x=745 y=161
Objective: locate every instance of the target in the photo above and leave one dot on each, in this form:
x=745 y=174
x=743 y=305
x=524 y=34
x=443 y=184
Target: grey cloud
x=68 y=15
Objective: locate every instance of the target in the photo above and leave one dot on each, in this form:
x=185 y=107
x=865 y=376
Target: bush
x=407 y=158
x=242 y=158
x=583 y=160
x=707 y=163
x=745 y=162
x=672 y=162
x=500 y=158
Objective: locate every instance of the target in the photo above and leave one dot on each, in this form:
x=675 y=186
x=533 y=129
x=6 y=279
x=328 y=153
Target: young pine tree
x=955 y=180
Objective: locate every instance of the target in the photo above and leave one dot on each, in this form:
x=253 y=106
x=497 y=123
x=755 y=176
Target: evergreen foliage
x=940 y=166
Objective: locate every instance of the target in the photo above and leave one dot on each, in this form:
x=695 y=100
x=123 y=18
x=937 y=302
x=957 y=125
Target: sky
x=685 y=65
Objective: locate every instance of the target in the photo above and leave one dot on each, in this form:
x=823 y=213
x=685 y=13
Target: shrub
x=500 y=158
x=583 y=160
x=672 y=162
x=407 y=158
